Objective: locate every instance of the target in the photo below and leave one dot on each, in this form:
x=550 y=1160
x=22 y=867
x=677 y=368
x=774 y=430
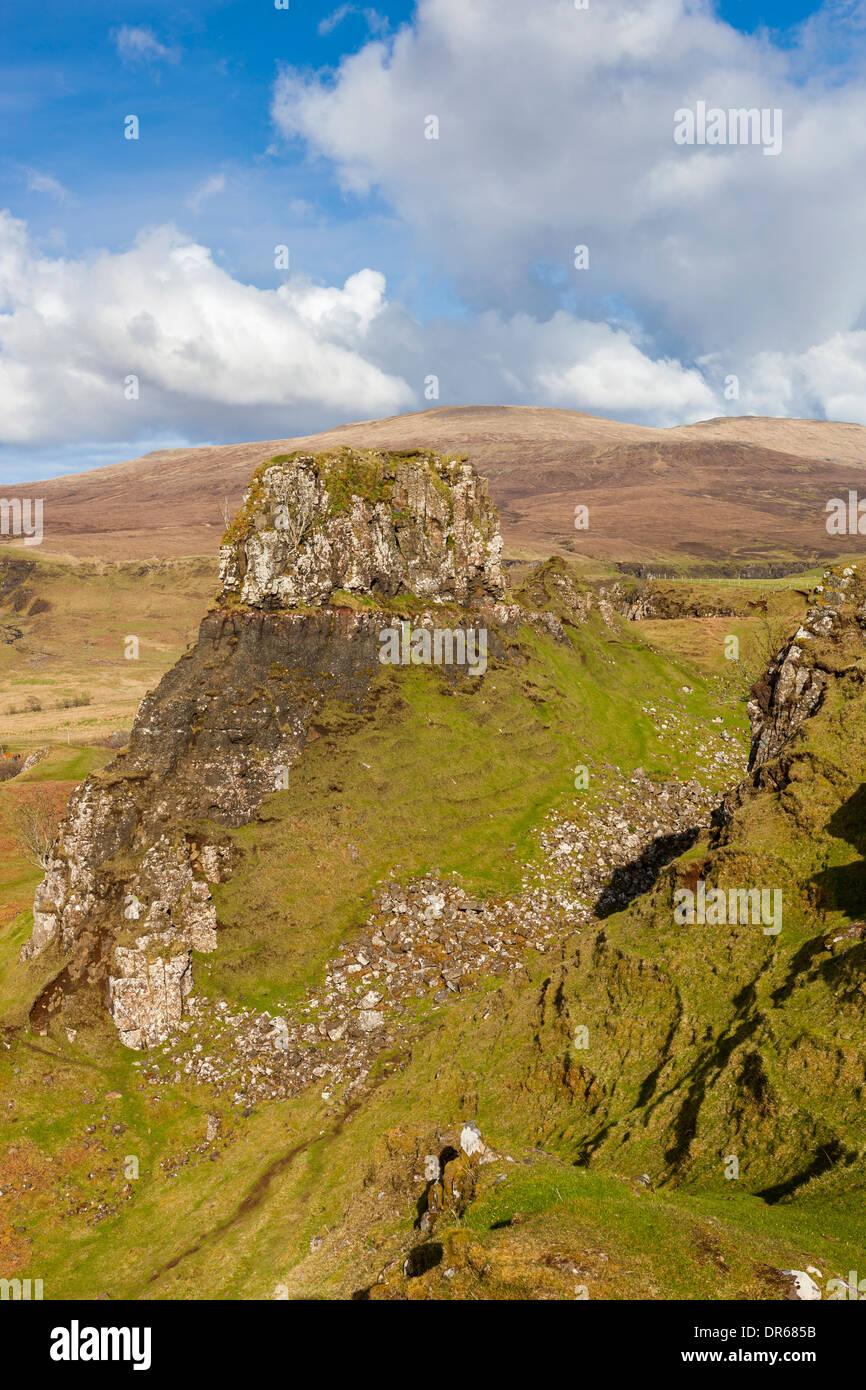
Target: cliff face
x=829 y=641
x=126 y=894
x=364 y=523
x=318 y=545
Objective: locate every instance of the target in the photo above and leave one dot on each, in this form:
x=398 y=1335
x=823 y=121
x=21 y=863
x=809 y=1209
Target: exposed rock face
x=830 y=640
x=366 y=523
x=126 y=896
x=793 y=686
x=658 y=599
x=146 y=996
x=429 y=938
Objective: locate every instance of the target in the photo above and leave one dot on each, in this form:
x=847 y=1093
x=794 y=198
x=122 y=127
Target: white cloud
x=556 y=128
x=561 y=361
x=219 y=359
x=212 y=355
x=611 y=375
x=376 y=23
x=38 y=182
x=216 y=358
x=208 y=188
x=138 y=44
x=331 y=21
x=828 y=380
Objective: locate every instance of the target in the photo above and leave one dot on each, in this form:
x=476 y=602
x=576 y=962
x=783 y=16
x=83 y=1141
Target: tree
x=35 y=819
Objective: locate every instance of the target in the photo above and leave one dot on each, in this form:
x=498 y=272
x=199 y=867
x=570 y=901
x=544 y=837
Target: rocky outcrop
x=830 y=640
x=638 y=601
x=793 y=686
x=364 y=523
x=318 y=546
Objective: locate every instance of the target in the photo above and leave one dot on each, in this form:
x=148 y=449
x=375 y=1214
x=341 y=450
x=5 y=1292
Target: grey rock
x=432 y=1168
x=471 y=1141
x=424 y=524
x=369 y=1020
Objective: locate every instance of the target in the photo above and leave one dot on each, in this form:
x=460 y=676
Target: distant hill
x=744 y=491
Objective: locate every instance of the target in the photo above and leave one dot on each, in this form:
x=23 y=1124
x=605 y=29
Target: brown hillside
x=744 y=490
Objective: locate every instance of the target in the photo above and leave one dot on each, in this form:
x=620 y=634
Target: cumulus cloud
x=825 y=381
x=138 y=44
x=610 y=373
x=560 y=361
x=218 y=359
x=211 y=354
x=556 y=129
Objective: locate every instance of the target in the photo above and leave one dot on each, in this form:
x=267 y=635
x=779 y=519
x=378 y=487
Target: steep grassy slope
x=305 y=1199
x=454 y=781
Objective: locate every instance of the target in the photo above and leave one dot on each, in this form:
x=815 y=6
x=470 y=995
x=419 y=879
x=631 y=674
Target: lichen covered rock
x=793 y=686
x=146 y=995
x=365 y=523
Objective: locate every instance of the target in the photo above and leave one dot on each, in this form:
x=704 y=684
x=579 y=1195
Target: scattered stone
x=471 y=1141
x=802 y=1287
x=369 y=1020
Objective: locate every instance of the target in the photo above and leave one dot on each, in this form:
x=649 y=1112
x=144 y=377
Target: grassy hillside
x=63 y=640
x=123 y=1176
x=454 y=781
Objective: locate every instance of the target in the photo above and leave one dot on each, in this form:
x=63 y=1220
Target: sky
x=335 y=212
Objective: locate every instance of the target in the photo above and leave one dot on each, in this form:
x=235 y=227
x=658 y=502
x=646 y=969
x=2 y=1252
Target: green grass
x=450 y=779
x=240 y=1225
x=703 y=1043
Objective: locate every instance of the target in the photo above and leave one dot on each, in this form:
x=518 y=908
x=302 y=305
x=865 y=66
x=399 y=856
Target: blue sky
x=780 y=15
x=412 y=258
x=203 y=109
